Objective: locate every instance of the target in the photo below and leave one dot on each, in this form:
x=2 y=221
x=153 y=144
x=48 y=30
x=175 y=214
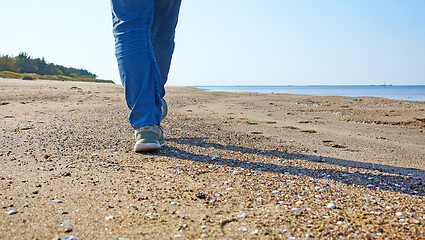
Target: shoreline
x=325 y=90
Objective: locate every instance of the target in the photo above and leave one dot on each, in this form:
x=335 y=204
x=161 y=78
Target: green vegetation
x=27 y=68
x=33 y=76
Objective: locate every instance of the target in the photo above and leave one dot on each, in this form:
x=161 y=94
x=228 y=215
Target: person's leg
x=164 y=24
x=132 y=21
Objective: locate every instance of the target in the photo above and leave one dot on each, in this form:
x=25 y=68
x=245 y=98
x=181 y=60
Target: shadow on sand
x=396 y=179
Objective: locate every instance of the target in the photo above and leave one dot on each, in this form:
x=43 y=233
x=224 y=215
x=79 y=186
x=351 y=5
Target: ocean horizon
x=396 y=92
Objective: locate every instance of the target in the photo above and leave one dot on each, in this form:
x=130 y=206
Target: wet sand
x=236 y=165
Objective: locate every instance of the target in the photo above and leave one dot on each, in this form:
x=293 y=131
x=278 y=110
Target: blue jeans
x=144 y=43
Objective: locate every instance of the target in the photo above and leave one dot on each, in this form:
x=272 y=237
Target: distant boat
x=382 y=85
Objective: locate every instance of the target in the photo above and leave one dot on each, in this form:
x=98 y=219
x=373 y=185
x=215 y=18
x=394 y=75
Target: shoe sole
x=147 y=147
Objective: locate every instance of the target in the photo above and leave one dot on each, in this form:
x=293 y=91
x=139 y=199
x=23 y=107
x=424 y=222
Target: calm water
x=407 y=92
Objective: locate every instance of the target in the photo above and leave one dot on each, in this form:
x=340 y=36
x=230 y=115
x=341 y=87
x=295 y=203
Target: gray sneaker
x=148 y=138
x=164 y=109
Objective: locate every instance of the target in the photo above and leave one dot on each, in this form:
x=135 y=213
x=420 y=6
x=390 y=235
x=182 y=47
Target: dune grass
x=34 y=76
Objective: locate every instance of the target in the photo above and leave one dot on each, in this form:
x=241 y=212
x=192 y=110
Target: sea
x=397 y=92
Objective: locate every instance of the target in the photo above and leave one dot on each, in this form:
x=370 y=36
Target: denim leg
x=132 y=22
x=166 y=13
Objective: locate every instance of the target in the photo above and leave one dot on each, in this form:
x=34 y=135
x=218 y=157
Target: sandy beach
x=236 y=166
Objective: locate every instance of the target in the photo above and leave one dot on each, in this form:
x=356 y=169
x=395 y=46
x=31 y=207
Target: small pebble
x=255 y=231
x=295 y=209
x=11 y=212
x=243 y=229
x=204 y=227
x=69 y=238
x=66 y=224
x=201 y=195
x=109 y=218
x=370 y=185
x=103 y=164
x=242 y=215
x=399 y=214
x=173 y=203
x=330 y=206
x=275 y=191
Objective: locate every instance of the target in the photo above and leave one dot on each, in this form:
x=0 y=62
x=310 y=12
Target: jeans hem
x=144 y=124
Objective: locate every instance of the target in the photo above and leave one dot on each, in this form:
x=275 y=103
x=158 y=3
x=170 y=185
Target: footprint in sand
x=420 y=120
x=333 y=145
x=256 y=132
x=291 y=127
x=304 y=122
x=309 y=131
x=338 y=146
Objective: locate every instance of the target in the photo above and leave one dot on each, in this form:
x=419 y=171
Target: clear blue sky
x=239 y=42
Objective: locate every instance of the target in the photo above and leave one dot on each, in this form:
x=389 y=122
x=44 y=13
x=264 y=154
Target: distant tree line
x=26 y=64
